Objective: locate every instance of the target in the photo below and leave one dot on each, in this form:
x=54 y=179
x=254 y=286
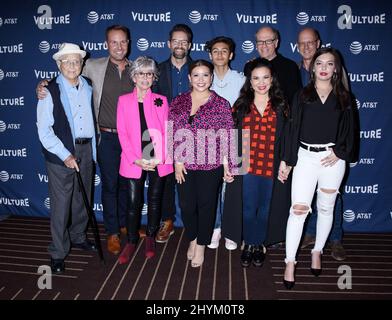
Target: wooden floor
x=169 y=276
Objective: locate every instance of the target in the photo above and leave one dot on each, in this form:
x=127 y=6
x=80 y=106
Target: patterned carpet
x=169 y=276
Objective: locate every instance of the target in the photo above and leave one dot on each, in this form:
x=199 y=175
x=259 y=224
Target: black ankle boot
x=258 y=256
x=247 y=255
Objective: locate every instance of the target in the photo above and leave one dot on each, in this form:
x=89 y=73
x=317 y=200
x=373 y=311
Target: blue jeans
x=114 y=187
x=337 y=231
x=257 y=191
x=219 y=207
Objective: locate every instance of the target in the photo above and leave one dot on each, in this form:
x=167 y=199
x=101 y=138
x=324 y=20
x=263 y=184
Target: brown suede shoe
x=308 y=240
x=114 y=244
x=337 y=251
x=166 y=230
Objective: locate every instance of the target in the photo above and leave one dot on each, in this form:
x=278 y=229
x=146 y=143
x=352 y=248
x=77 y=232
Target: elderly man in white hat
x=65 y=121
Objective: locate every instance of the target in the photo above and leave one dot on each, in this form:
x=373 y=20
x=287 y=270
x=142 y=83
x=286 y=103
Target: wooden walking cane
x=91 y=215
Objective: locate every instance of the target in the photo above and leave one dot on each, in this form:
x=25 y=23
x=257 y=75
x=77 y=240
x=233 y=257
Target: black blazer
x=164 y=84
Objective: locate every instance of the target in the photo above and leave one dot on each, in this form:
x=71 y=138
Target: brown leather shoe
x=142 y=233
x=166 y=230
x=114 y=244
x=308 y=240
x=337 y=251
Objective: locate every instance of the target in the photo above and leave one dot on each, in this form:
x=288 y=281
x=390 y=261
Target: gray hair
x=144 y=62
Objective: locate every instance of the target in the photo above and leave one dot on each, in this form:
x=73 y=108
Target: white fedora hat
x=68 y=48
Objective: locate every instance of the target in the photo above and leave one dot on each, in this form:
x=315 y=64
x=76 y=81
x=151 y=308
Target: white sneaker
x=230 y=244
x=215 y=239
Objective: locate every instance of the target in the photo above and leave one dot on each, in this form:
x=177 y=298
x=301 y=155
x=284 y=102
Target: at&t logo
x=93 y=17
x=363 y=161
x=142 y=44
x=8 y=74
x=5 y=176
x=247 y=46
x=366 y=104
x=303 y=18
x=350 y=215
x=45 y=46
x=10 y=126
x=195 y=17
x=47 y=203
x=8 y=21
x=97 y=180
x=356 y=47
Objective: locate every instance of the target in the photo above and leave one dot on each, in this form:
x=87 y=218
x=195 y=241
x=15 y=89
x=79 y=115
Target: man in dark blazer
x=173 y=80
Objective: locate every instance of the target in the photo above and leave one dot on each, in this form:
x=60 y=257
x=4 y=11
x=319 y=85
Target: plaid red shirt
x=261 y=139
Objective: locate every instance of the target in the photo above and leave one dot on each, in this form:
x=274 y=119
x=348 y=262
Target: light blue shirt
x=77 y=106
x=229 y=87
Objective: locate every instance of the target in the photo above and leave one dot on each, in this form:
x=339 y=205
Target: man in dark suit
x=173 y=80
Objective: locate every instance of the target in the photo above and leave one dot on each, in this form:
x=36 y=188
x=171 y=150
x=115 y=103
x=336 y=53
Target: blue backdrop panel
x=31 y=31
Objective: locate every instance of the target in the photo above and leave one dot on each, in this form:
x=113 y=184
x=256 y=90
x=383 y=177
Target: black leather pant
x=135 y=204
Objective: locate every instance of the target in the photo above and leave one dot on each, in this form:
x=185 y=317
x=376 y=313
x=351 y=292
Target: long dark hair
x=309 y=93
x=242 y=106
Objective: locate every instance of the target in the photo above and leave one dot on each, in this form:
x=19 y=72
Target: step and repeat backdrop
x=31 y=31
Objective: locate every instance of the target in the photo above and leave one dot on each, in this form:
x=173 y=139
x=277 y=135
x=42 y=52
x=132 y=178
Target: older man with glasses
x=65 y=121
x=110 y=79
x=267 y=43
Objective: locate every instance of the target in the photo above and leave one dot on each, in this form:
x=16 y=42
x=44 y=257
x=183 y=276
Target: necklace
x=323 y=94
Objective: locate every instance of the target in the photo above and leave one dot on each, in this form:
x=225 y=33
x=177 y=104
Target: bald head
x=267 y=40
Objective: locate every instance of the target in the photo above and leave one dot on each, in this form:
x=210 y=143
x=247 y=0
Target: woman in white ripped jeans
x=319 y=141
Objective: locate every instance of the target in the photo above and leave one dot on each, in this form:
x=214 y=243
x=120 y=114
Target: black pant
x=169 y=198
x=135 y=204
x=198 y=197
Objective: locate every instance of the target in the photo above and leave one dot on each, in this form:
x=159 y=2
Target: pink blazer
x=128 y=127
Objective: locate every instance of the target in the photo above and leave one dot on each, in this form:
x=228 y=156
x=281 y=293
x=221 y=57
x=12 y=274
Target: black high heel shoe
x=314 y=271
x=289 y=284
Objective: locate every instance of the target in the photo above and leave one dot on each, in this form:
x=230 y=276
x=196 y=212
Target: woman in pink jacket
x=141 y=123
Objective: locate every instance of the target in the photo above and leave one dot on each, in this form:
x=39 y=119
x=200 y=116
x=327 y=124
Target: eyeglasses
x=119 y=43
x=265 y=42
x=147 y=75
x=73 y=63
x=310 y=44
x=181 y=43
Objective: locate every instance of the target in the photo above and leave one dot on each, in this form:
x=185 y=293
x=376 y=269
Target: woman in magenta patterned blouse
x=202 y=123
